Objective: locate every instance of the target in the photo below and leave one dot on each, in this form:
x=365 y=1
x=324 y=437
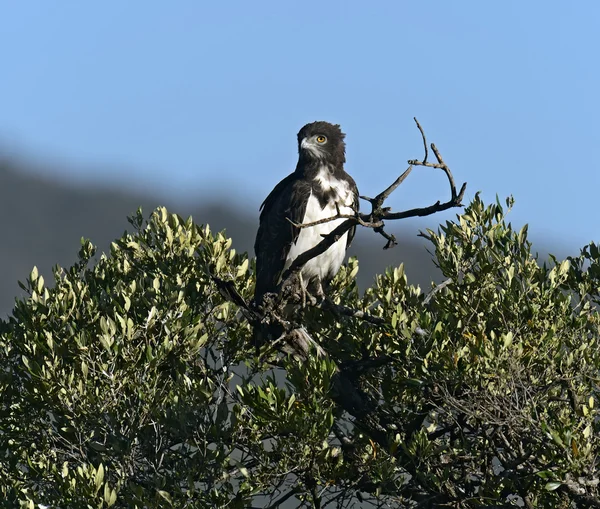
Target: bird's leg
x=302 y=290
x=320 y=293
x=315 y=294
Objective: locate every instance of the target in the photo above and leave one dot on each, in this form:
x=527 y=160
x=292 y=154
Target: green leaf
x=166 y=496
x=242 y=269
x=564 y=267
x=112 y=498
x=99 y=477
x=107 y=493
x=553 y=485
x=291 y=401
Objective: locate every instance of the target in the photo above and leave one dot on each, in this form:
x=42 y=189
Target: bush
x=133 y=382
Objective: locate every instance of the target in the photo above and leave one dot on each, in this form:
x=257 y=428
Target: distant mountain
x=42 y=220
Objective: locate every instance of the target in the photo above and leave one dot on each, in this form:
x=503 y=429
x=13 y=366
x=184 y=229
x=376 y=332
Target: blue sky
x=187 y=97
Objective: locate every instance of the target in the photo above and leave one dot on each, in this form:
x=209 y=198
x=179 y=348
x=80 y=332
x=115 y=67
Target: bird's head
x=322 y=141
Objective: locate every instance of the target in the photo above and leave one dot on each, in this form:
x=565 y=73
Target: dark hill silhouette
x=43 y=219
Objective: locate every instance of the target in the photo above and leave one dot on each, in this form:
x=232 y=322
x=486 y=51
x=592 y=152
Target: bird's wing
x=355 y=207
x=276 y=234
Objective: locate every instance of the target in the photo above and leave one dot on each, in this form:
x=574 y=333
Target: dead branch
x=321 y=247
x=379 y=214
x=339 y=215
x=391 y=239
x=377 y=202
x=374 y=219
x=424 y=139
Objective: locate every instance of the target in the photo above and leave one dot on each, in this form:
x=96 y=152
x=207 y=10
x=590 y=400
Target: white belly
x=327 y=264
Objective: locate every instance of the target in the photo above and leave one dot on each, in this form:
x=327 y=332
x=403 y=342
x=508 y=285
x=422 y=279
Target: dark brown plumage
x=315 y=190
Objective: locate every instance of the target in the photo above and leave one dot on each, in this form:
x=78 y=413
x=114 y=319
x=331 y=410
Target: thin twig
x=353 y=313
x=424 y=139
x=432 y=209
x=357 y=217
x=321 y=247
x=437 y=289
x=391 y=239
x=381 y=197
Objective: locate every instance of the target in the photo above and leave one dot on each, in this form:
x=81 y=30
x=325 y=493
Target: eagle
x=319 y=188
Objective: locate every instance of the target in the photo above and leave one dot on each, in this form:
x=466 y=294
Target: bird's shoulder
x=285 y=205
x=287 y=195
x=349 y=182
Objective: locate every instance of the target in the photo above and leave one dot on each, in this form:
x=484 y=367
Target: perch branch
x=321 y=247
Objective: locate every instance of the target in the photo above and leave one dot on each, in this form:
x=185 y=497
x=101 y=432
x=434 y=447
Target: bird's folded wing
x=276 y=233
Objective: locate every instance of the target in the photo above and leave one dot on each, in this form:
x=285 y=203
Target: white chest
x=327 y=264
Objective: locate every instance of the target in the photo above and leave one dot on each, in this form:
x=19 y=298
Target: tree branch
x=375 y=219
x=321 y=247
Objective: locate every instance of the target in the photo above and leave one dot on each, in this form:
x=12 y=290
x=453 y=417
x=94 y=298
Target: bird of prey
x=317 y=189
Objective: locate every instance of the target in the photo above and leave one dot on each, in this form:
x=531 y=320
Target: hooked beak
x=312 y=148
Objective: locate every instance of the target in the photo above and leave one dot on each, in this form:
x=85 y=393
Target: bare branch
x=320 y=248
x=322 y=221
x=375 y=219
x=424 y=139
x=432 y=209
x=339 y=215
x=354 y=313
x=437 y=289
x=377 y=202
x=391 y=239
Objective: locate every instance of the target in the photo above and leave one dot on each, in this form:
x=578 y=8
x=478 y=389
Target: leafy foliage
x=133 y=382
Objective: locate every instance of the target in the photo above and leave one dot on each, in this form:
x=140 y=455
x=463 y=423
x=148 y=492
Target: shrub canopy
x=132 y=382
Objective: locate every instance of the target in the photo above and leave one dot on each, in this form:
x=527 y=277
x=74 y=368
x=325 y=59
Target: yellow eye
x=321 y=139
